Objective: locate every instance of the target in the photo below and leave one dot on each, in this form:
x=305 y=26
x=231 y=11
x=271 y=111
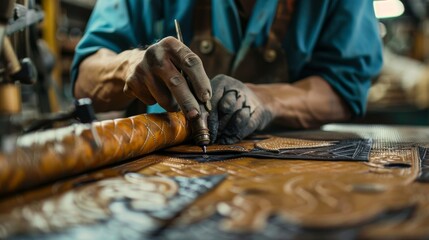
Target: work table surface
x=342 y=181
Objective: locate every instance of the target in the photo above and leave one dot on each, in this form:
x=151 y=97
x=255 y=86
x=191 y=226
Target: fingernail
x=193 y=114
x=205 y=96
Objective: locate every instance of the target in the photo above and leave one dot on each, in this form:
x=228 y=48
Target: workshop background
x=399 y=95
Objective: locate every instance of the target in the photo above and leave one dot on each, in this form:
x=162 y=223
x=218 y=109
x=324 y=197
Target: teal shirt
x=335 y=39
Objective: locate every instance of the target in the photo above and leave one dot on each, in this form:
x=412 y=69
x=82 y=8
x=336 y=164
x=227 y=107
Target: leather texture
x=157 y=199
x=50 y=155
x=267 y=198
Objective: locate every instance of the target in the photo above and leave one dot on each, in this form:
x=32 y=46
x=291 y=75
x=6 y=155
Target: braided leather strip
x=45 y=156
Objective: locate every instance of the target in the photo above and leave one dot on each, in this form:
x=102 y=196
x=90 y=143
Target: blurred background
x=399 y=95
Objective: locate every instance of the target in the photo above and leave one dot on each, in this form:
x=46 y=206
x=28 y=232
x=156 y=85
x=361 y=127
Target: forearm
x=102 y=78
x=307 y=103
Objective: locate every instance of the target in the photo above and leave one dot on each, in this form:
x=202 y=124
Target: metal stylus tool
x=200 y=130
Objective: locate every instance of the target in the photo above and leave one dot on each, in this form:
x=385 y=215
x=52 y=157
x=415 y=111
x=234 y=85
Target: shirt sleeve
x=113 y=25
x=347 y=52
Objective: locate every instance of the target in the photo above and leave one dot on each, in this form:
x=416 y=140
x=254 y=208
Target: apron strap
x=203 y=18
x=283 y=16
x=281 y=22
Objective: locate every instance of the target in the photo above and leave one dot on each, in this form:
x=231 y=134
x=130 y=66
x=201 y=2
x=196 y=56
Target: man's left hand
x=237 y=112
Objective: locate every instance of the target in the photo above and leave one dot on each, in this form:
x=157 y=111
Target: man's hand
x=237 y=111
x=153 y=77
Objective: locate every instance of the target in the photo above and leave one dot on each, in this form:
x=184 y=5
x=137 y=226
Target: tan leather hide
x=45 y=156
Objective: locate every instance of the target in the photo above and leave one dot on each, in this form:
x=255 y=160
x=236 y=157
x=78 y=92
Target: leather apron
x=266 y=64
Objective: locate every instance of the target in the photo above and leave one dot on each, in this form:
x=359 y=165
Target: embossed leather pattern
x=266 y=198
x=107 y=205
x=49 y=155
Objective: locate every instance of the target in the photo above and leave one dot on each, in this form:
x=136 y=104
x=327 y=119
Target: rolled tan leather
x=46 y=156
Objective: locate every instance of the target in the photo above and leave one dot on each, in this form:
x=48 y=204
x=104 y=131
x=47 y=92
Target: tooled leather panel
x=48 y=155
x=112 y=202
x=309 y=194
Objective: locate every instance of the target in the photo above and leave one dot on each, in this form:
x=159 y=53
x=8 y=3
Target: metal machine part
x=16 y=66
x=5 y=13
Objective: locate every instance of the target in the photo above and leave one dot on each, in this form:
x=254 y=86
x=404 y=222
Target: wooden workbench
x=177 y=193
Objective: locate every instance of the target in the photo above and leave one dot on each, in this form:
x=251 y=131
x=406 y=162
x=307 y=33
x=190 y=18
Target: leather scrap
x=281 y=143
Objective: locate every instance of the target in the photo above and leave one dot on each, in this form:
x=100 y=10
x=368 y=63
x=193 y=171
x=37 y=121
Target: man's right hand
x=153 y=76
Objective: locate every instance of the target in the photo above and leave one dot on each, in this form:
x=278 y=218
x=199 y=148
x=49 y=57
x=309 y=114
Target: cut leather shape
x=106 y=209
x=283 y=148
x=277 y=143
x=45 y=156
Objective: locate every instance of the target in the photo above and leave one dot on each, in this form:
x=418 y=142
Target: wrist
x=101 y=78
x=263 y=92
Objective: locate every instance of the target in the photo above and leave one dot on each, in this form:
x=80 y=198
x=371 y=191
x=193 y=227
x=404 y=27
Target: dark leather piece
x=343 y=150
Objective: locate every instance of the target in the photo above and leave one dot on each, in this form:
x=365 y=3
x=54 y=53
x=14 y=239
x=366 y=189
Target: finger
x=230 y=103
x=172 y=83
x=192 y=65
x=257 y=121
x=237 y=125
x=134 y=87
x=213 y=119
x=179 y=88
x=213 y=123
